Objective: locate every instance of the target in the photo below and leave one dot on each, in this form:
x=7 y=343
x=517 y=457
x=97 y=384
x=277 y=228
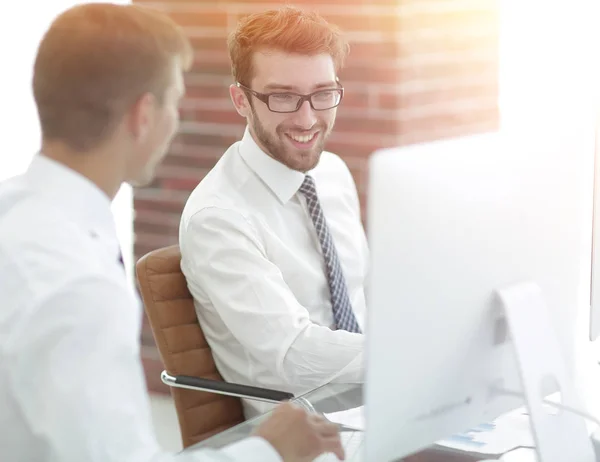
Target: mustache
x=321 y=127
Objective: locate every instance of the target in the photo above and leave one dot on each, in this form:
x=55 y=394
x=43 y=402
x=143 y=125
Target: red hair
x=287 y=29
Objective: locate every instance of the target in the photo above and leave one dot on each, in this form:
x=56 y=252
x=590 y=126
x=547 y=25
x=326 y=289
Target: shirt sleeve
x=81 y=386
x=226 y=259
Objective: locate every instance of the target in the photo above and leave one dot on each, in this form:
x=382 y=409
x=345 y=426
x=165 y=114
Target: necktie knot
x=308 y=187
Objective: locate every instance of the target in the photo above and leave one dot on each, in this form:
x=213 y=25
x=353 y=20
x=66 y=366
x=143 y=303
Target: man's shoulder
x=13 y=192
x=209 y=196
x=222 y=187
x=43 y=257
x=37 y=237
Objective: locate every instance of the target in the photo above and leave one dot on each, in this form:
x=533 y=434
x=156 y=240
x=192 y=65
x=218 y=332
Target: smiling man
x=272 y=243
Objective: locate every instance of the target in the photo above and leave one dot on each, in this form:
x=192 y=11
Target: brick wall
x=418 y=70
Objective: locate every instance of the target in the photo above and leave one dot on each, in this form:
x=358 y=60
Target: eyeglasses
x=320 y=100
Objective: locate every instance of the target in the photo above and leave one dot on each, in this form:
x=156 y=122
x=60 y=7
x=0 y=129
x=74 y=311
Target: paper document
x=508 y=432
x=353 y=418
x=505 y=433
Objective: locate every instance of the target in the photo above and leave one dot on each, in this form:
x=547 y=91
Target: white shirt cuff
x=252 y=449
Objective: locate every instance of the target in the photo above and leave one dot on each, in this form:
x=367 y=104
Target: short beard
x=276 y=148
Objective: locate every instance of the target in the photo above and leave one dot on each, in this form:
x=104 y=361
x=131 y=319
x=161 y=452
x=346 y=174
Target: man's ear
x=240 y=100
x=141 y=116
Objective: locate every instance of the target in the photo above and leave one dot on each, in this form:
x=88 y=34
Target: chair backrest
x=182 y=346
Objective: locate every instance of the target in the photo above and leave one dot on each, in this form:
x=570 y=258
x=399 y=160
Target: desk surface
x=326 y=399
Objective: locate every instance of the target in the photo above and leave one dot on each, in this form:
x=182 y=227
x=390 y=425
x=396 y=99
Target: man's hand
x=299 y=436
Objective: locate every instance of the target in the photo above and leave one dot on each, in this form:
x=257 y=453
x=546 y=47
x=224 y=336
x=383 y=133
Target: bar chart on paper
x=505 y=434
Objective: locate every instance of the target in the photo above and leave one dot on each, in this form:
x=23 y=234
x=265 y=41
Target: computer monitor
x=453 y=225
x=595 y=279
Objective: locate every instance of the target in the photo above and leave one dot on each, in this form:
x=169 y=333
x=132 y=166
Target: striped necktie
x=340 y=301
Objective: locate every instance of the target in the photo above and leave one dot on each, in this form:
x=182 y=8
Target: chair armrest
x=225 y=388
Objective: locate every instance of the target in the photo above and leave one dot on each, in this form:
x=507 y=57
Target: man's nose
x=305 y=116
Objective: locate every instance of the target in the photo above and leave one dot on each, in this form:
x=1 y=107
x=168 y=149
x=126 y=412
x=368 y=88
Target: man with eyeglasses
x=272 y=243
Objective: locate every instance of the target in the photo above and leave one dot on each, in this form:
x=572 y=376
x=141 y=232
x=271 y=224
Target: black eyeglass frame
x=264 y=97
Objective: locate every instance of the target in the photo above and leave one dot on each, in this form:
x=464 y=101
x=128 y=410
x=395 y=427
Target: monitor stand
x=559 y=436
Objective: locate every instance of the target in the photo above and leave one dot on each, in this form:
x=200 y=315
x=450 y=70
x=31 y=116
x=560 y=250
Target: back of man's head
x=287 y=29
x=95 y=61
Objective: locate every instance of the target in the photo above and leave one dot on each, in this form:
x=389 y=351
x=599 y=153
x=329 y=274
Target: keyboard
x=352 y=443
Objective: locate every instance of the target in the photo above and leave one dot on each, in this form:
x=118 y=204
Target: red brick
x=180 y=184
x=450 y=131
x=349 y=149
x=350 y=146
x=155 y=241
x=174 y=206
x=227 y=117
x=312 y=4
x=166 y=171
x=452 y=20
x=181 y=149
x=416 y=46
x=156 y=222
x=199 y=18
x=246 y=5
x=207 y=104
x=178 y=177
x=153 y=367
x=366 y=124
x=364 y=22
x=145 y=228
x=192 y=161
x=470 y=70
x=158 y=217
x=210 y=59
x=220 y=69
x=454 y=119
x=209 y=44
x=388 y=100
x=146 y=336
x=206 y=91
x=355 y=96
x=373 y=74
x=373 y=51
x=214 y=140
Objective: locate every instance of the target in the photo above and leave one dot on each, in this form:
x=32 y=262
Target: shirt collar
x=282 y=180
x=79 y=197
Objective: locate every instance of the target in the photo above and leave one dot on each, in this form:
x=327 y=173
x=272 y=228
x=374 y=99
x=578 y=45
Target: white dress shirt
x=72 y=387
x=253 y=263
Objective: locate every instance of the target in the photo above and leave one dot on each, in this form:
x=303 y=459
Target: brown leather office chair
x=186 y=354
x=182 y=346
